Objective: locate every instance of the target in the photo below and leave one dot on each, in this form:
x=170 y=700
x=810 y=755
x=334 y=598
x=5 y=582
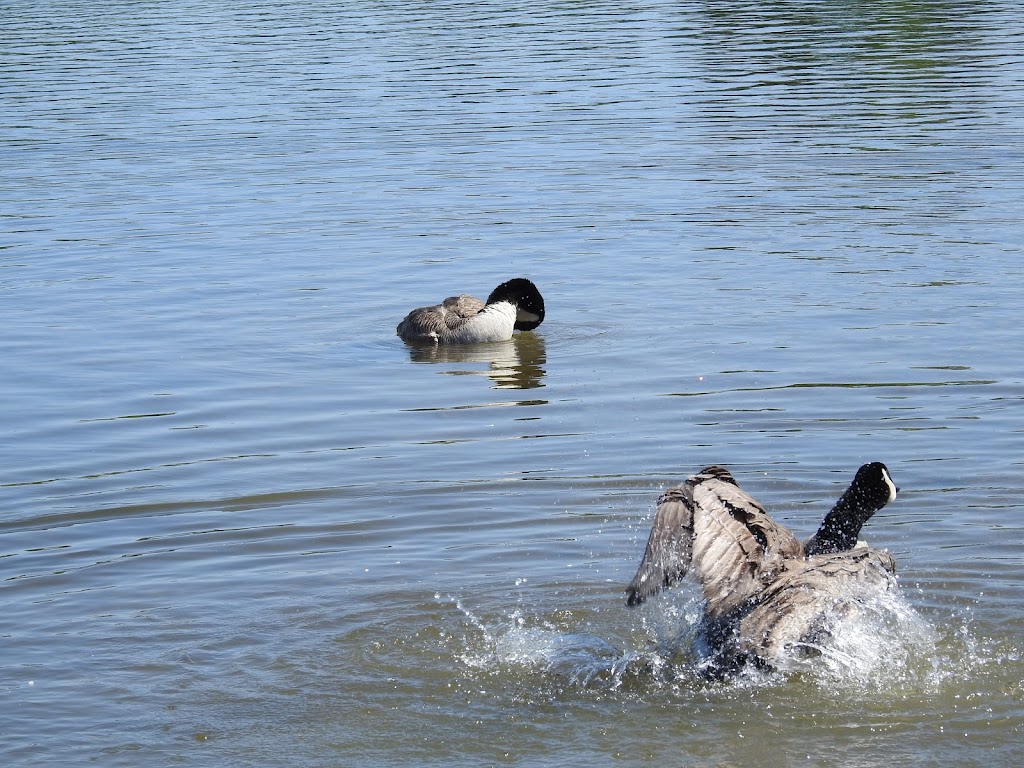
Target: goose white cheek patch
x=523 y=316
x=890 y=484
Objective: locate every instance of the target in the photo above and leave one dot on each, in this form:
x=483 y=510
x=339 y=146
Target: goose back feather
x=439 y=321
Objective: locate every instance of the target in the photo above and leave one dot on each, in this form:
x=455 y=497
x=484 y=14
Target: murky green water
x=242 y=524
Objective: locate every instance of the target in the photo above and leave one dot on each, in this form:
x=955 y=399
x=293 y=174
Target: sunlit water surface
x=242 y=524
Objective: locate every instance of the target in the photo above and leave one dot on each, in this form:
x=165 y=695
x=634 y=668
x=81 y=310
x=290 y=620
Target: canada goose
x=514 y=305
x=766 y=594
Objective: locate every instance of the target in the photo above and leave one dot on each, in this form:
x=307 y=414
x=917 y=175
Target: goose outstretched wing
x=669 y=548
x=710 y=526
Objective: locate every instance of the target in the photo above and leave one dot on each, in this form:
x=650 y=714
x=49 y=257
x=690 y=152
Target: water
x=243 y=524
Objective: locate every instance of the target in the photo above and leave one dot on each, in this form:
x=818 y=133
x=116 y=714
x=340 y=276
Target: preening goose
x=514 y=305
x=766 y=594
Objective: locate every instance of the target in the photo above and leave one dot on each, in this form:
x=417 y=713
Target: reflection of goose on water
x=514 y=305
x=514 y=364
x=766 y=594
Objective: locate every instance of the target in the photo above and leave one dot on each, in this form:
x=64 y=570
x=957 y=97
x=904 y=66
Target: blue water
x=242 y=523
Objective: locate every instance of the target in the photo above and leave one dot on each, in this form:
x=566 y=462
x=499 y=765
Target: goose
x=514 y=305
x=767 y=597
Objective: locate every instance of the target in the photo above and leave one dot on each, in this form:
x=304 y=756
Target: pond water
x=241 y=523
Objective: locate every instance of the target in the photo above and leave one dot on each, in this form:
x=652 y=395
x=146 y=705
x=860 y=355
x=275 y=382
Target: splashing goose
x=766 y=594
x=514 y=305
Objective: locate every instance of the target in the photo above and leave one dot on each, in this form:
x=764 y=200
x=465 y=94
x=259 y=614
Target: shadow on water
x=906 y=39
x=855 y=77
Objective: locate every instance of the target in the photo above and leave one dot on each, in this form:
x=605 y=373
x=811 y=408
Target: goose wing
x=463 y=305
x=711 y=526
x=427 y=323
x=669 y=547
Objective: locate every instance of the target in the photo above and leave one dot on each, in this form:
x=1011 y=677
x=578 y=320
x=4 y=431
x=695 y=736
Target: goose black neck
x=841 y=526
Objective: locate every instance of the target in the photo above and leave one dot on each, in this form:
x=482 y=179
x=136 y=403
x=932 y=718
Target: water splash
x=885 y=646
x=515 y=642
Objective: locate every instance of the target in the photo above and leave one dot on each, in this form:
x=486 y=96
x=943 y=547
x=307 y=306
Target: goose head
x=872 y=488
x=524 y=296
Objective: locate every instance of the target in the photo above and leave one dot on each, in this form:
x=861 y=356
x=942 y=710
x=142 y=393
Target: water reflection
x=911 y=63
x=897 y=33
x=514 y=364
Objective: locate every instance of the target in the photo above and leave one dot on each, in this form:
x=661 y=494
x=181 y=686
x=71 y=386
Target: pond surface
x=241 y=523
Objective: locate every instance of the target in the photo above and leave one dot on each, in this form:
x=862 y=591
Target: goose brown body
x=514 y=305
x=765 y=595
